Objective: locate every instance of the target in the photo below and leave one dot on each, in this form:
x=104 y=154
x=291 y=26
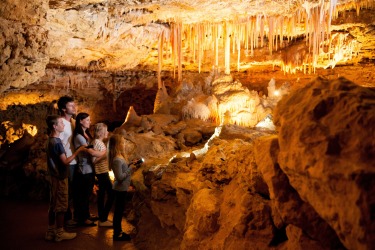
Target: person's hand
x=80 y=149
x=134 y=161
x=137 y=162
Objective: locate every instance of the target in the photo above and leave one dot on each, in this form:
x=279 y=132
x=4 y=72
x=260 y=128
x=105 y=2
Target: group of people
x=74 y=159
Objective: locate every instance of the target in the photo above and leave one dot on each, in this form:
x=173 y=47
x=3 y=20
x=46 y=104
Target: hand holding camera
x=137 y=162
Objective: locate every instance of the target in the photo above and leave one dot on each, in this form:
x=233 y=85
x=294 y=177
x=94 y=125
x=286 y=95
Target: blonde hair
x=115 y=149
x=99 y=130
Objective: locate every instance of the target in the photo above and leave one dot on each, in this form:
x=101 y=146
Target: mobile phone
x=90 y=146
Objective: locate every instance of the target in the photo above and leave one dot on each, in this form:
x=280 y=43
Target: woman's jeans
x=105 y=187
x=83 y=185
x=121 y=197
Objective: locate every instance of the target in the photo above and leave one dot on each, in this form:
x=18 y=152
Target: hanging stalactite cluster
x=241 y=36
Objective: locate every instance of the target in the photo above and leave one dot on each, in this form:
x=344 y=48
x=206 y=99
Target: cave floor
x=23 y=225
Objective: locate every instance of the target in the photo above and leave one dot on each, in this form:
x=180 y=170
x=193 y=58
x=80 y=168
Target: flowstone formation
x=222 y=100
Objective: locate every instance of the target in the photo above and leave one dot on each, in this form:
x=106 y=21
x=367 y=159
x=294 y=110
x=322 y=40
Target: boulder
x=327 y=150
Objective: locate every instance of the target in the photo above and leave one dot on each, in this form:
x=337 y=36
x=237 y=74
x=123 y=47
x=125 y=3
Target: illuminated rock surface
x=210 y=180
x=328 y=155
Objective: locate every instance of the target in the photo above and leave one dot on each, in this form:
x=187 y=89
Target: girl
x=117 y=161
x=84 y=182
x=101 y=171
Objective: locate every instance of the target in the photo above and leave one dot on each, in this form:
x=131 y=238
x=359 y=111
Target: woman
x=118 y=162
x=84 y=182
x=101 y=171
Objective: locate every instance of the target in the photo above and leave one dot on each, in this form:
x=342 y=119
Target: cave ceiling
x=117 y=35
x=292 y=37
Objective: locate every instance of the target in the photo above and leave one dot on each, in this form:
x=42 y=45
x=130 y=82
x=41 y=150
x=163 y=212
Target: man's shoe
x=105 y=224
x=62 y=235
x=87 y=223
x=93 y=217
x=71 y=223
x=122 y=237
x=50 y=234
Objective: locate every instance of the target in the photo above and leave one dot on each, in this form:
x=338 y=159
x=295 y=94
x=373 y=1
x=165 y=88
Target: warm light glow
x=202 y=151
x=266 y=123
x=13 y=134
x=31 y=129
x=180 y=155
x=231 y=103
x=111 y=175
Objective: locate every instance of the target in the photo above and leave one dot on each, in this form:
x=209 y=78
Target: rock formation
x=199 y=81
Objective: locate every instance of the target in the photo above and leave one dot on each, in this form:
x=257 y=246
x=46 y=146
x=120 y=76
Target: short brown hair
x=51 y=120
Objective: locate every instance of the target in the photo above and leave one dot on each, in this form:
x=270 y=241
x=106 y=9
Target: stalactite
x=281 y=31
x=251 y=32
x=179 y=50
x=247 y=35
x=160 y=57
x=253 y=35
x=270 y=34
x=261 y=31
x=227 y=32
x=216 y=36
x=238 y=53
x=199 y=31
x=231 y=36
x=174 y=35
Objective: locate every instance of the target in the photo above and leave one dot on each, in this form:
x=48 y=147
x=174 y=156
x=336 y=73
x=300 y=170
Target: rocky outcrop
x=329 y=154
x=23 y=43
x=215 y=200
x=251 y=191
x=289 y=210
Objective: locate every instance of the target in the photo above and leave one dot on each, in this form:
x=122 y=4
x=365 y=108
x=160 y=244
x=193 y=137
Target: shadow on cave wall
x=114 y=114
x=19 y=177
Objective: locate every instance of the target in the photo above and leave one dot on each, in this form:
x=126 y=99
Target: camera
x=139 y=161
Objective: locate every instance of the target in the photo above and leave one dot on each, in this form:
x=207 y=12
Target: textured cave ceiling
x=117 y=35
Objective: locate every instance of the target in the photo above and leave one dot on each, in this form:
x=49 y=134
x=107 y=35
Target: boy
x=58 y=163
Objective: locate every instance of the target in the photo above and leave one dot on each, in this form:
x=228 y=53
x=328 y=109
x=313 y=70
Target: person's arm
x=67 y=160
x=95 y=153
x=81 y=141
x=117 y=170
x=97 y=159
